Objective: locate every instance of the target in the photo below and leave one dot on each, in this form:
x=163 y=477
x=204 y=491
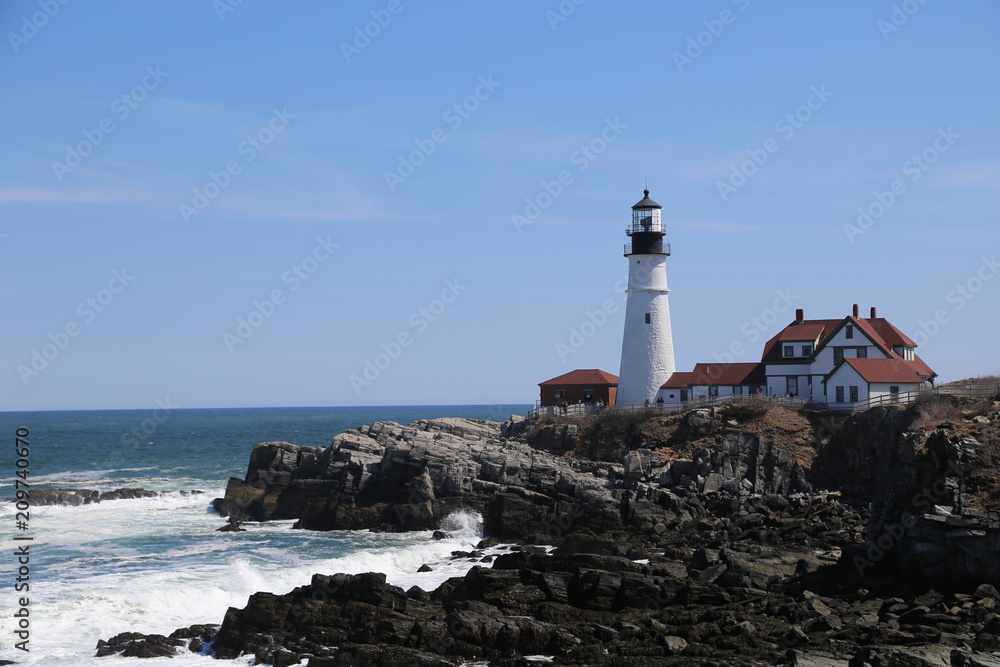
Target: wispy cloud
x=186 y=111
x=81 y=195
x=968 y=175
x=704 y=225
x=304 y=206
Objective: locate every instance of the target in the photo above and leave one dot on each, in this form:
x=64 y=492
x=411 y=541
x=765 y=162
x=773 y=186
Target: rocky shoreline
x=705 y=538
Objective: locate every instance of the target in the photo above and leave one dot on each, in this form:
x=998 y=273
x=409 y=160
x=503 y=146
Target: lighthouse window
x=647 y=318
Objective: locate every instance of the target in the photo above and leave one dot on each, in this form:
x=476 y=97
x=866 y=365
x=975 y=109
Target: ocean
x=156 y=564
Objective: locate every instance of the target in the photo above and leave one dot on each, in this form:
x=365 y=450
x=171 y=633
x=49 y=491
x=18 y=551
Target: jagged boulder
x=391 y=477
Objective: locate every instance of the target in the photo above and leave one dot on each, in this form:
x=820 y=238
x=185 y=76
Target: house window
x=647 y=318
x=854 y=394
x=560 y=394
x=789 y=351
x=588 y=395
x=838 y=355
x=850 y=332
x=862 y=353
x=792 y=386
x=840 y=395
x=894 y=391
x=807 y=350
x=737 y=389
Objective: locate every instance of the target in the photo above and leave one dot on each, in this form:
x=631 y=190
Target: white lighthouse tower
x=648 y=343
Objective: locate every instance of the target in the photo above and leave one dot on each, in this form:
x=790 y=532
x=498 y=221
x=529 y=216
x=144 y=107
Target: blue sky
x=426 y=213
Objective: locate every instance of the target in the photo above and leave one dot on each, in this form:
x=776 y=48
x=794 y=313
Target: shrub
x=616 y=430
x=746 y=410
x=990 y=439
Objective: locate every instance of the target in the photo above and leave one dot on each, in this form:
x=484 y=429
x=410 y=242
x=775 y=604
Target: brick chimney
x=874 y=313
x=799 y=315
x=857 y=311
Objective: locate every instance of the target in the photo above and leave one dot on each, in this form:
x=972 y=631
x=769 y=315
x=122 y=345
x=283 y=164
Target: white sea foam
x=464 y=522
x=156 y=564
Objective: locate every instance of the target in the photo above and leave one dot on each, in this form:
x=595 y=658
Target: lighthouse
x=648 y=343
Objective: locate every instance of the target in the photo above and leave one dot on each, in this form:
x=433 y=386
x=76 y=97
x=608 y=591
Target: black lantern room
x=647 y=229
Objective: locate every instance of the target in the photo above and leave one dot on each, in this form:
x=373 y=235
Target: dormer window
x=789 y=351
x=807 y=350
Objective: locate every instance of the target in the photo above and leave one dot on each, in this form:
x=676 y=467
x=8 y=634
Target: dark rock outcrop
x=392 y=477
x=724 y=607
x=73 y=497
x=137 y=645
x=396 y=478
x=920 y=483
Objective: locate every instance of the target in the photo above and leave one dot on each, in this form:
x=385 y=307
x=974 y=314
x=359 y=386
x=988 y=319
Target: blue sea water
x=153 y=565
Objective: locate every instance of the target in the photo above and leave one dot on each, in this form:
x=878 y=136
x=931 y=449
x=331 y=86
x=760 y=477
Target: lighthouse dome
x=646 y=202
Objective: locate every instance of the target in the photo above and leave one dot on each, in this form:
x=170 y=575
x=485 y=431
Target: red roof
x=889 y=333
x=590 y=376
x=885 y=370
x=807 y=330
x=922 y=369
x=751 y=372
x=882 y=334
x=679 y=379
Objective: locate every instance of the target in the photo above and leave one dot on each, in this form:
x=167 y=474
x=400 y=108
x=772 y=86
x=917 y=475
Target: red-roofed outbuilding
x=580 y=386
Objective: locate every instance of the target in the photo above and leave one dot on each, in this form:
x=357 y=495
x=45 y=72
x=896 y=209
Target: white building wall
x=647 y=349
x=777 y=374
x=846 y=377
x=881 y=389
x=824 y=359
x=671 y=395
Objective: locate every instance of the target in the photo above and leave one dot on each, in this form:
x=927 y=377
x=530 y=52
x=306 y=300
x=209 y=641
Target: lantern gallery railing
x=646 y=225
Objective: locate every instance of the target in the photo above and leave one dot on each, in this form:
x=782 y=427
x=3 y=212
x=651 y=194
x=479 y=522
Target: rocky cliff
x=933 y=490
x=727 y=538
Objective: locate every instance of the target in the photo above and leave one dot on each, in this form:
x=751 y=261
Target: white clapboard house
x=831 y=361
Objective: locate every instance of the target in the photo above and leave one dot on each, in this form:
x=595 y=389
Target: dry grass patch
x=933 y=410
